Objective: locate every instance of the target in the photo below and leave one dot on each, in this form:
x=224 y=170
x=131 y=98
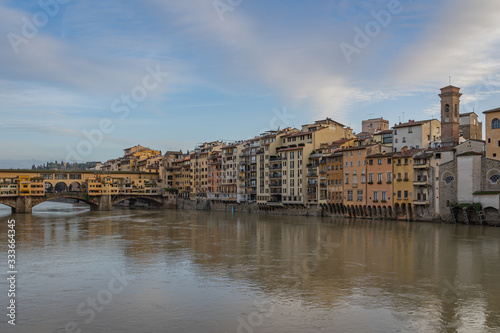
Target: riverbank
x=490 y=219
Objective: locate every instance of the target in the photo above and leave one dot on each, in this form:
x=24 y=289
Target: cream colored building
x=199 y=168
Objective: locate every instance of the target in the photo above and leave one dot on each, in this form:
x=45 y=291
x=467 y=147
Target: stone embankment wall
x=297 y=210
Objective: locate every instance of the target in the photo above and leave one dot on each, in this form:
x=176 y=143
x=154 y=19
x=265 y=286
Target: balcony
x=422 y=165
x=421 y=181
x=312 y=174
x=421 y=202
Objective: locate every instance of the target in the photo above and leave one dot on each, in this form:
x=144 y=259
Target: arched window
x=449 y=179
x=447 y=107
x=495 y=178
x=495 y=124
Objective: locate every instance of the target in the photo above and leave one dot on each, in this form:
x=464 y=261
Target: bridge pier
x=24 y=205
x=105 y=204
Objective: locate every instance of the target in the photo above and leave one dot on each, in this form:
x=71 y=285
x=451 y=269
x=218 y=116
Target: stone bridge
x=25 y=204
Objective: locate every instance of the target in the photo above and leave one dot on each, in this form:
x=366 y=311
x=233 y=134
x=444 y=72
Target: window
x=389 y=161
x=354 y=179
x=396 y=140
x=406 y=195
x=395 y=132
x=449 y=179
x=370 y=162
x=380 y=161
x=384 y=196
x=389 y=177
x=359 y=162
x=375 y=196
x=363 y=179
x=404 y=139
x=359 y=196
x=495 y=178
x=346 y=180
x=495 y=124
x=349 y=195
x=399 y=194
x=379 y=177
x=410 y=129
x=370 y=177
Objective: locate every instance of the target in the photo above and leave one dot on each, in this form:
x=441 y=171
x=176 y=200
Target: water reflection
x=201 y=271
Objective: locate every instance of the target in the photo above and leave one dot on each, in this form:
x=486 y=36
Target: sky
x=82 y=80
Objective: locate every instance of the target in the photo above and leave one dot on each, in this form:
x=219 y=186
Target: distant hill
x=42 y=165
x=19 y=164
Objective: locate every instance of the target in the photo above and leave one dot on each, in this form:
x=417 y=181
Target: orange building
x=354 y=169
x=379 y=184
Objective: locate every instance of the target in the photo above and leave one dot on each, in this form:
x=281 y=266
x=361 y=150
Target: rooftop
x=492 y=110
x=412 y=123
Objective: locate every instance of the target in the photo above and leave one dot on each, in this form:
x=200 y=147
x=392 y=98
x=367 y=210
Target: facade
x=450 y=119
x=214 y=175
x=384 y=137
x=379 y=182
x=470 y=127
x=375 y=125
x=335 y=177
x=355 y=176
x=403 y=183
x=470 y=178
x=492 y=133
x=199 y=168
x=416 y=134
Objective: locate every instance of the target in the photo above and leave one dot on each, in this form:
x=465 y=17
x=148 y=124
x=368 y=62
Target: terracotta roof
x=302 y=133
x=339 y=142
x=467 y=114
x=492 y=110
x=470 y=153
x=380 y=155
x=287 y=149
x=408 y=153
x=357 y=147
x=412 y=123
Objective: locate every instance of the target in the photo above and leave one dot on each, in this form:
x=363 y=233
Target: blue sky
x=229 y=71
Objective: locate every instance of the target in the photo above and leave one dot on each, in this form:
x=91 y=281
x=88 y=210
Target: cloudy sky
x=85 y=79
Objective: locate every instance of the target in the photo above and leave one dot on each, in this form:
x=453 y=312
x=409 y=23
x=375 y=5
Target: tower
x=450 y=115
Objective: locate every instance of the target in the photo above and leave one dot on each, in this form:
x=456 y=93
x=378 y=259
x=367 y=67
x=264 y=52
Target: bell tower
x=450 y=115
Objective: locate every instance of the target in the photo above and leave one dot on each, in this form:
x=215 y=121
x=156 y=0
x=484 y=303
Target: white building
x=416 y=134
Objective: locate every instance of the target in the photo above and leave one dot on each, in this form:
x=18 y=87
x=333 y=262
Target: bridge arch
x=154 y=200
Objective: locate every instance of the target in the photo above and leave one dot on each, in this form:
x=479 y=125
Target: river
x=134 y=270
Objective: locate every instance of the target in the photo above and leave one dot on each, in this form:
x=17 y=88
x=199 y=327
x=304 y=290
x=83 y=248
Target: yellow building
x=24 y=184
x=403 y=182
x=493 y=134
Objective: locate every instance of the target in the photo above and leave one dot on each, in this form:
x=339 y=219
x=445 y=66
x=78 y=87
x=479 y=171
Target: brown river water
x=133 y=270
